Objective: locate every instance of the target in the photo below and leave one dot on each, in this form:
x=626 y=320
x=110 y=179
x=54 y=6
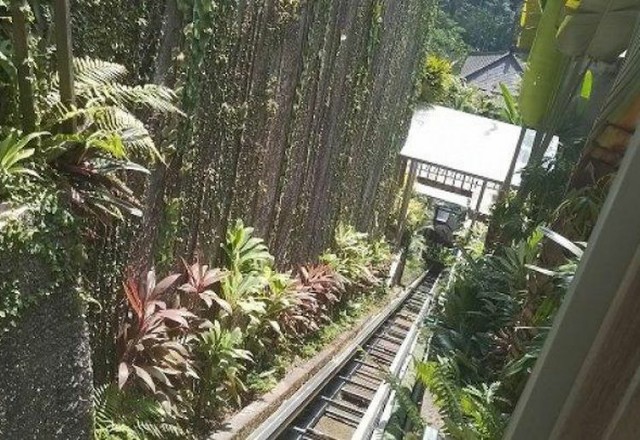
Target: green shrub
x=193 y=340
x=223 y=362
x=488 y=329
x=355 y=257
x=126 y=416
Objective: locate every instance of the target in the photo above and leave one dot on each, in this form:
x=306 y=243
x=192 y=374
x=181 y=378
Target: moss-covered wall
x=297 y=109
x=45 y=358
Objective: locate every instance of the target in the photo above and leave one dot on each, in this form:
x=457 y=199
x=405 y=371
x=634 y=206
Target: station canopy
x=464 y=158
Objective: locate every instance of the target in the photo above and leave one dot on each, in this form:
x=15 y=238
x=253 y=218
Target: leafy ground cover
x=199 y=343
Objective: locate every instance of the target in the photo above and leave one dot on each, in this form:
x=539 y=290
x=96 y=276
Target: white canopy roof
x=468 y=143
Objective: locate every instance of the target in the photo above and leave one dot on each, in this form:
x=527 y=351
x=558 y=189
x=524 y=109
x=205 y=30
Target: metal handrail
x=398 y=367
x=279 y=420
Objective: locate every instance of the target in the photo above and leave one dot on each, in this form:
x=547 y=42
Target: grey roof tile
x=487 y=70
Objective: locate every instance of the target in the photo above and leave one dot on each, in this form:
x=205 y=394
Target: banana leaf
x=529 y=19
x=545 y=67
x=598 y=29
x=626 y=87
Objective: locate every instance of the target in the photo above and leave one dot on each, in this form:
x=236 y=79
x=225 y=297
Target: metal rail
x=335 y=401
x=398 y=369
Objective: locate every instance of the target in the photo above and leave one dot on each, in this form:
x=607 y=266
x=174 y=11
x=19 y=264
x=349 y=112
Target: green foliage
x=436 y=76
x=541 y=80
x=105 y=104
x=417 y=212
x=446 y=37
x=223 y=362
x=510 y=111
x=470 y=413
x=529 y=19
x=263 y=310
x=440 y=86
x=256 y=294
x=519 y=214
x=122 y=416
x=600 y=32
x=89 y=165
x=39 y=241
x=580 y=209
x=245 y=253
x=13 y=150
x=488 y=329
x=461 y=96
x=354 y=256
x=482 y=300
x=486 y=25
x=93 y=169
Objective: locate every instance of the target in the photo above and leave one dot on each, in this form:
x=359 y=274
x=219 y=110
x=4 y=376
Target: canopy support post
x=406 y=197
x=506 y=185
x=476 y=212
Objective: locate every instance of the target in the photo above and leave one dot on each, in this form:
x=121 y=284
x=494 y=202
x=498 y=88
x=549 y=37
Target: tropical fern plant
x=469 y=412
x=105 y=103
x=109 y=139
x=123 y=416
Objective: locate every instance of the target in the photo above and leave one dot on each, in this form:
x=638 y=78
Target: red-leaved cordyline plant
x=200 y=280
x=151 y=342
x=319 y=289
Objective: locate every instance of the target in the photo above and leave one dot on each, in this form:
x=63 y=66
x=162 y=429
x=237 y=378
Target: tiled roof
x=480 y=60
x=487 y=70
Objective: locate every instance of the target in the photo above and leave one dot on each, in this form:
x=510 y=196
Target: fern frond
x=405 y=400
x=110 y=121
x=91 y=71
x=149 y=96
x=131 y=130
x=122 y=416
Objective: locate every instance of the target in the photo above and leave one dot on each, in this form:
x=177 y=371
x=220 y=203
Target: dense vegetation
x=492 y=319
x=130 y=171
x=472 y=25
x=199 y=341
x=491 y=322
x=124 y=173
